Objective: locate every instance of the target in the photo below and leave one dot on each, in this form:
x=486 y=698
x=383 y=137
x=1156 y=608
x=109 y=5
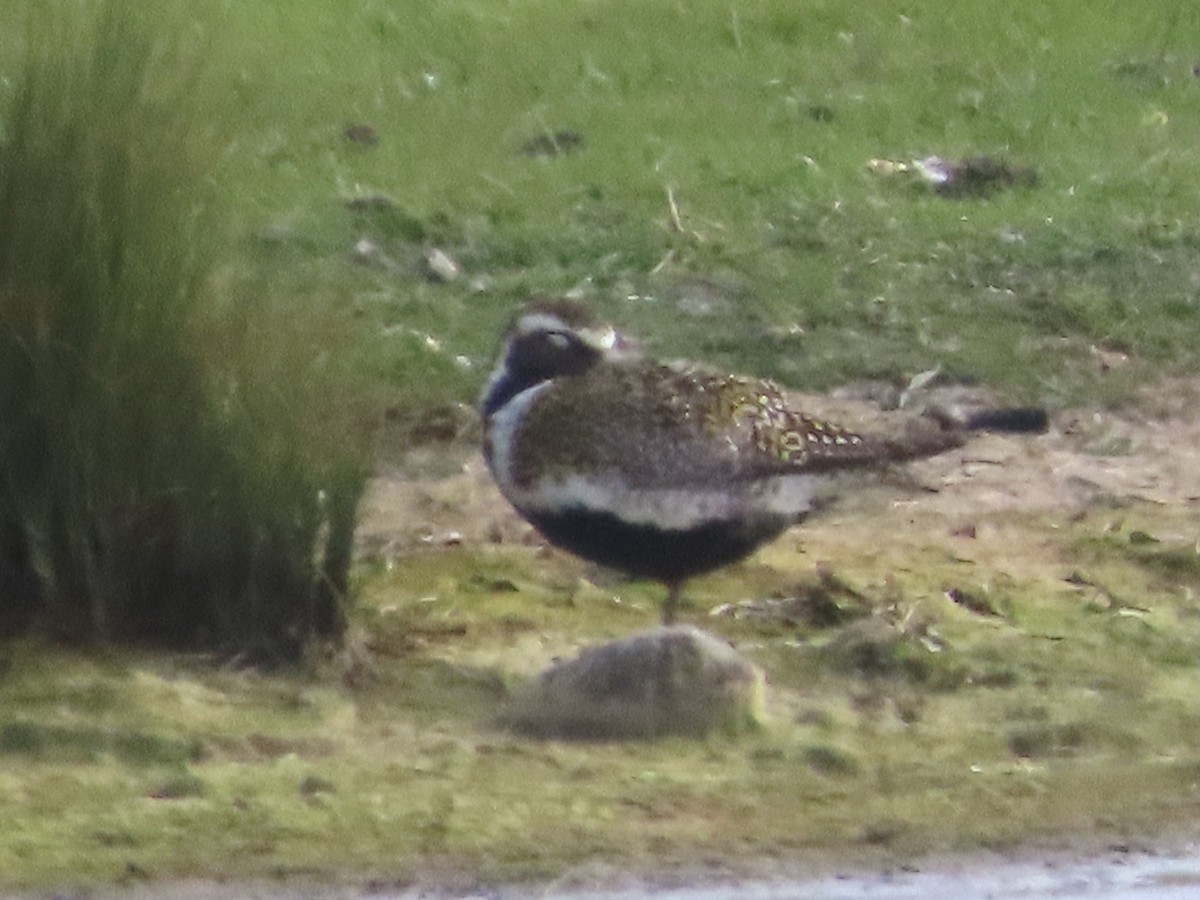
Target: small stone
x=675 y=680
x=439 y=266
x=368 y=253
x=366 y=250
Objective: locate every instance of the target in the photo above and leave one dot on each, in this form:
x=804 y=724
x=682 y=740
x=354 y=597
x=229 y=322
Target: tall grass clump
x=172 y=464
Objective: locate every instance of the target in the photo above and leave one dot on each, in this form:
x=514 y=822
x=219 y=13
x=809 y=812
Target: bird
x=664 y=470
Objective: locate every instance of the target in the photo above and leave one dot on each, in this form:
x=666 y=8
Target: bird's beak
x=603 y=337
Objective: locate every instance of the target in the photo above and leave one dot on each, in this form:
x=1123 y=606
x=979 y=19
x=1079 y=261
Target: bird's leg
x=672 y=600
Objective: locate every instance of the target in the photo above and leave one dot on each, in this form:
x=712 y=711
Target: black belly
x=662 y=554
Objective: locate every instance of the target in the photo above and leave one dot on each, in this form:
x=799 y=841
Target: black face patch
x=548 y=354
x=536 y=357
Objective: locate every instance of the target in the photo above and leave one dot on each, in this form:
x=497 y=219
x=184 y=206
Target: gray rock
x=675 y=680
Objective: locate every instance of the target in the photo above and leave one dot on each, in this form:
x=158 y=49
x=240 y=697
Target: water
x=1115 y=876
x=1173 y=875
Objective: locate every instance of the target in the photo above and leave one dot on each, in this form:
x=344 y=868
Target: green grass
x=760 y=123
x=166 y=469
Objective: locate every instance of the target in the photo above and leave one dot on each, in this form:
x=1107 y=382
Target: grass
x=784 y=256
x=760 y=123
x=955 y=730
x=159 y=476
x=782 y=224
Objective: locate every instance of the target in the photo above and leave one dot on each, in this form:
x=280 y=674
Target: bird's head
x=547 y=339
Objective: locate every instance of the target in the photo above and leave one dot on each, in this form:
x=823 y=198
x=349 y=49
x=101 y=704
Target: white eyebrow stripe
x=531 y=323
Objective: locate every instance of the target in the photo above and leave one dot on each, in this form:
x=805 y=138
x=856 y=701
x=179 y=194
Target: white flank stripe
x=788 y=496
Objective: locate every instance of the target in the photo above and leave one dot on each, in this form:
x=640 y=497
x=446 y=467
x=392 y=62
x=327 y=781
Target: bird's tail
x=1014 y=419
x=937 y=430
x=1018 y=419
x=952 y=428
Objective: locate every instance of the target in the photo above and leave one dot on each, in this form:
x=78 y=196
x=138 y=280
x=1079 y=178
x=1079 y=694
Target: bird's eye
x=557 y=340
